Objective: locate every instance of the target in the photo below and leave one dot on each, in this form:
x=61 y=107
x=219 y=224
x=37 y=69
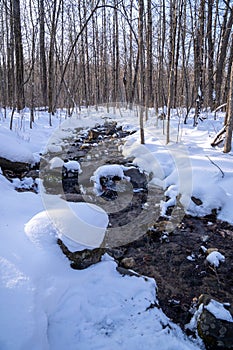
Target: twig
x=216 y=166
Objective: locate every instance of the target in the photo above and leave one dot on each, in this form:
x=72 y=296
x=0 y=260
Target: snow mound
x=56 y=162
x=72 y=165
x=79 y=225
x=108 y=171
x=54 y=148
x=41 y=231
x=15 y=150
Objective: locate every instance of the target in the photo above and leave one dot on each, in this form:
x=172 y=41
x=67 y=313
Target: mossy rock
x=216 y=333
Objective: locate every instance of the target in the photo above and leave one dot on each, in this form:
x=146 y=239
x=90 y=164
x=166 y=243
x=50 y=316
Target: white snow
x=214 y=258
x=14 y=149
x=188 y=168
x=54 y=149
x=219 y=311
x=56 y=162
x=47 y=305
x=108 y=171
x=72 y=165
x=84 y=223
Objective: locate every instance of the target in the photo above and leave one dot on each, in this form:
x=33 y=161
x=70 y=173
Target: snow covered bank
x=47 y=305
x=191 y=168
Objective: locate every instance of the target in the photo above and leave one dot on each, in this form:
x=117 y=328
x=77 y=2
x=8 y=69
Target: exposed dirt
x=179 y=265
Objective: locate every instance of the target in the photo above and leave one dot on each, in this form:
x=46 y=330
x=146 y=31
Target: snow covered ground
x=47 y=305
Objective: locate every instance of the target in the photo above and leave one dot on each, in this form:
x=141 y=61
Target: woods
x=161 y=54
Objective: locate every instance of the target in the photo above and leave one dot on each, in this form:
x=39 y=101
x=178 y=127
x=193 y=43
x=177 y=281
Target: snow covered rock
x=78 y=225
x=214 y=324
x=56 y=162
x=214 y=258
x=70 y=172
x=72 y=166
x=106 y=175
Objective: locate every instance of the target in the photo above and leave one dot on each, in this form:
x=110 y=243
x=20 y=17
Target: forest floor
x=179 y=266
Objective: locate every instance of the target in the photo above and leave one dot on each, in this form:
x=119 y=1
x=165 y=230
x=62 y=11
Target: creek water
x=131 y=213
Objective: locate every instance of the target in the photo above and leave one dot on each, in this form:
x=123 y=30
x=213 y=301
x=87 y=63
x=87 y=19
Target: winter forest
x=116 y=188
x=65 y=54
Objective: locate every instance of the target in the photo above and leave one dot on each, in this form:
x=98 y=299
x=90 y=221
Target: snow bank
x=15 y=149
x=188 y=168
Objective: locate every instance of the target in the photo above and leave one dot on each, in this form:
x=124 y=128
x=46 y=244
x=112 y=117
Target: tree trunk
x=141 y=68
x=43 y=66
x=51 y=75
x=149 y=98
x=229 y=125
x=173 y=27
x=227 y=25
x=18 y=56
x=210 y=56
x=228 y=75
x=198 y=61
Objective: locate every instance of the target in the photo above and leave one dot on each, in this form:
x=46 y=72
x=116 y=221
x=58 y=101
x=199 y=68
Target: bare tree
x=173 y=28
x=149 y=96
x=18 y=56
x=210 y=54
x=43 y=64
x=224 y=39
x=229 y=123
x=141 y=67
x=198 y=60
x=51 y=73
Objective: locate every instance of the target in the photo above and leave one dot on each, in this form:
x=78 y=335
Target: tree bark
x=227 y=25
x=198 y=61
x=18 y=56
x=149 y=97
x=43 y=65
x=229 y=125
x=141 y=68
x=173 y=28
x=210 y=56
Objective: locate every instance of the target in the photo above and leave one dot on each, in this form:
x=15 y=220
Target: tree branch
x=216 y=166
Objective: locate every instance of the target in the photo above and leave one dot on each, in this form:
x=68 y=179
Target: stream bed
x=169 y=248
